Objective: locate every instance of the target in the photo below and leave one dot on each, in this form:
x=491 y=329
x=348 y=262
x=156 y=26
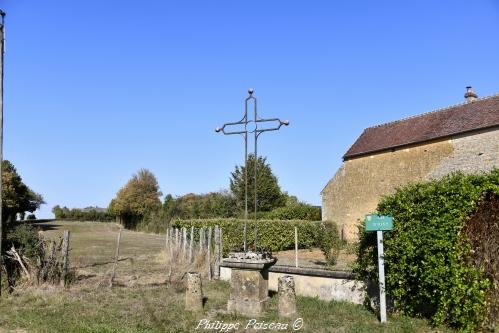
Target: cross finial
x=256 y=131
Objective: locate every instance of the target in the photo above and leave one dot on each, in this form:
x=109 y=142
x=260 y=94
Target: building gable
x=462 y=118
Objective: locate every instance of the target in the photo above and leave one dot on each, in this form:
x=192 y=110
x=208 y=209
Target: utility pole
x=2 y=48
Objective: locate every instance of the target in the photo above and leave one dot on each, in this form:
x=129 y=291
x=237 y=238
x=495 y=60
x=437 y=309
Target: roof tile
x=479 y=114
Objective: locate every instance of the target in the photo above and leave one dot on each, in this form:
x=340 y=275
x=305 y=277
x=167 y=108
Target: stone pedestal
x=249 y=283
x=194 y=293
x=287 y=296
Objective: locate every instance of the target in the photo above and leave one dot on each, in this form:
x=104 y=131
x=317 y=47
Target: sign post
x=379 y=223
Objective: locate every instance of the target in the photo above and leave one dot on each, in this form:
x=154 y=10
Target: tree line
x=86 y=214
x=138 y=202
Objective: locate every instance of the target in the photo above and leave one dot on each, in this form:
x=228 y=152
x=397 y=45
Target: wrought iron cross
x=250 y=127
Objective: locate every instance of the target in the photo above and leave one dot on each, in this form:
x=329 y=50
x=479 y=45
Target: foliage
x=31 y=217
x=25 y=239
x=201 y=206
x=273 y=235
x=482 y=231
x=268 y=190
x=17 y=197
x=86 y=214
x=330 y=242
x=299 y=211
x=155 y=221
x=426 y=255
x=44 y=263
x=139 y=196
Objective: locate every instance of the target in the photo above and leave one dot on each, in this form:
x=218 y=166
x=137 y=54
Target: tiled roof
x=470 y=116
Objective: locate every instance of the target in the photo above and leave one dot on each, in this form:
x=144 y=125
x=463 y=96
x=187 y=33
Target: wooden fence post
x=170 y=255
x=65 y=258
x=184 y=245
x=116 y=259
x=296 y=247
x=191 y=244
x=201 y=239
x=216 y=274
x=221 y=244
x=209 y=252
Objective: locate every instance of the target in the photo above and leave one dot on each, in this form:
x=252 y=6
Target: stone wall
x=358 y=185
x=472 y=153
x=326 y=285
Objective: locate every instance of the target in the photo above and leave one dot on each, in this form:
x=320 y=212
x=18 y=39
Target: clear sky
x=95 y=90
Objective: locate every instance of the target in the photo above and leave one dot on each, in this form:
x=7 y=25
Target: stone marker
x=287 y=296
x=194 y=292
x=249 y=282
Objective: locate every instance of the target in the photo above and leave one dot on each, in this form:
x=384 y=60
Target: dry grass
x=144 y=258
x=143 y=300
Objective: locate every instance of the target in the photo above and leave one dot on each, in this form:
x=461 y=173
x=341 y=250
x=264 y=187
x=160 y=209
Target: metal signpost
x=250 y=126
x=379 y=223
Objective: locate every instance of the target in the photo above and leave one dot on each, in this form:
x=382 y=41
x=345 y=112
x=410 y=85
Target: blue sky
x=95 y=90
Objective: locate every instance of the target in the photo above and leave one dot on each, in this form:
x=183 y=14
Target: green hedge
x=273 y=235
x=295 y=212
x=428 y=271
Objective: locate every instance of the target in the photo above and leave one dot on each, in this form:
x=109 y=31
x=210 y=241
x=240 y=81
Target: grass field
x=142 y=302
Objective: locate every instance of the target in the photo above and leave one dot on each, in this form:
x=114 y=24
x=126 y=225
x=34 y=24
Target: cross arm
x=281 y=123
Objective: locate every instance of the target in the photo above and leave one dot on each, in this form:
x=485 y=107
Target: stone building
x=462 y=137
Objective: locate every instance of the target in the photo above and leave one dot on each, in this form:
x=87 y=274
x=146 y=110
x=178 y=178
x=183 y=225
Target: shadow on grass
x=46 y=227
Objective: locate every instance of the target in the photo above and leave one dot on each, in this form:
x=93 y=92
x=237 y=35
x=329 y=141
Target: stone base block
x=248 y=292
x=246 y=307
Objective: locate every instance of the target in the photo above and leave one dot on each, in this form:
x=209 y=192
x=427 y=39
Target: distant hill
x=97 y=209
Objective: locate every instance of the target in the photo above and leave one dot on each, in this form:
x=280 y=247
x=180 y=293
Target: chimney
x=470 y=95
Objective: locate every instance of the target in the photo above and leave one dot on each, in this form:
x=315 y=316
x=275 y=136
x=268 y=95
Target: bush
x=31 y=217
x=25 y=239
x=427 y=255
x=273 y=235
x=330 y=242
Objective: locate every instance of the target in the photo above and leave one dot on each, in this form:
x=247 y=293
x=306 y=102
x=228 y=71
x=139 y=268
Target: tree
x=58 y=212
x=139 y=196
x=17 y=197
x=269 y=193
x=220 y=204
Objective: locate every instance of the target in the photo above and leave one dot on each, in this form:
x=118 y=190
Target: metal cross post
x=251 y=126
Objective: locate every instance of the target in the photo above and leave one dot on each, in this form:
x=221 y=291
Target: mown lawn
x=91 y=306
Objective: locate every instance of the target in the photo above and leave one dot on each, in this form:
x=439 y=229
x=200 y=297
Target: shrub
x=25 y=239
x=273 y=235
x=31 y=217
x=330 y=242
x=428 y=270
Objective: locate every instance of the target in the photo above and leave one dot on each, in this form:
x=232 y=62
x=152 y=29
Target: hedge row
x=273 y=235
x=294 y=212
x=427 y=255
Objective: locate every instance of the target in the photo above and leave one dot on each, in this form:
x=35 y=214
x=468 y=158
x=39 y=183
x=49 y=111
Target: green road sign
x=376 y=222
